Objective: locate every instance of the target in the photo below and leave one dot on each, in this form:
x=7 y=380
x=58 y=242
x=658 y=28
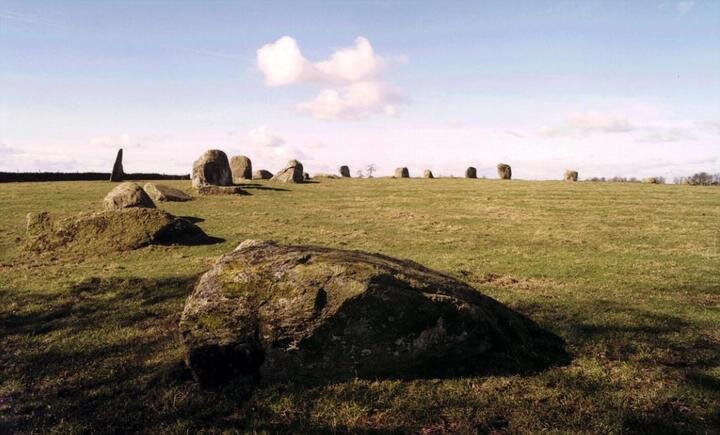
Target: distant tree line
x=9 y=177
x=698 y=179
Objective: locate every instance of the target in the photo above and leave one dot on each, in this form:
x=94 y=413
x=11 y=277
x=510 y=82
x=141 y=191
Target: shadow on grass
x=104 y=355
x=262 y=187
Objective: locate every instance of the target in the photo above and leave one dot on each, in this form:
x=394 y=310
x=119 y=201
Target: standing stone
x=504 y=171
x=402 y=173
x=470 y=172
x=571 y=175
x=241 y=168
x=428 y=174
x=211 y=168
x=262 y=174
x=127 y=195
x=292 y=173
x=306 y=176
x=117 y=172
x=344 y=171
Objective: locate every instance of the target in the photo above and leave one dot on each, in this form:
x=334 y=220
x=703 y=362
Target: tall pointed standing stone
x=117 y=172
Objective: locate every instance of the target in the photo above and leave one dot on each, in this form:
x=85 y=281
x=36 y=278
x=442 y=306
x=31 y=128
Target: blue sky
x=604 y=87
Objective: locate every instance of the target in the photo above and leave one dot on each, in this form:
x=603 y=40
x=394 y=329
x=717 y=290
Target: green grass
x=628 y=274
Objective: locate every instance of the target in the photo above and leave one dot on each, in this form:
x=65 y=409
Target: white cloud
x=355 y=101
x=263 y=137
x=668 y=135
x=351 y=64
x=351 y=72
x=684 y=7
x=584 y=124
x=281 y=62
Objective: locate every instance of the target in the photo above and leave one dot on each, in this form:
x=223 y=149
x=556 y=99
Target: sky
x=608 y=88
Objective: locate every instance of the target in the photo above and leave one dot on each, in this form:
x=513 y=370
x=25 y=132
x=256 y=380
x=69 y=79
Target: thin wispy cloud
x=684 y=7
x=588 y=123
x=667 y=135
x=28 y=18
x=210 y=53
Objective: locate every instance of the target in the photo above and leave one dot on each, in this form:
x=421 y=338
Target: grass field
x=627 y=274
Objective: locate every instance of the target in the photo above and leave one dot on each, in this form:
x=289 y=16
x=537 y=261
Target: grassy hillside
x=628 y=274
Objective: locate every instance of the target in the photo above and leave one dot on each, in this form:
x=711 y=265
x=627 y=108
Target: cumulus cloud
x=585 y=124
x=350 y=74
x=263 y=137
x=355 y=101
x=282 y=63
x=684 y=7
x=668 y=135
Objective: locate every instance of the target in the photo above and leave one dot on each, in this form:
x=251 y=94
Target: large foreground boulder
x=212 y=168
x=241 y=168
x=570 y=175
x=121 y=230
x=313 y=314
x=161 y=192
x=127 y=195
x=344 y=171
x=402 y=173
x=504 y=171
x=292 y=173
x=262 y=174
x=470 y=172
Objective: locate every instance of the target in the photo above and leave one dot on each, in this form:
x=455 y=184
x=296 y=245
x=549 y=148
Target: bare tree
x=370 y=169
x=359 y=174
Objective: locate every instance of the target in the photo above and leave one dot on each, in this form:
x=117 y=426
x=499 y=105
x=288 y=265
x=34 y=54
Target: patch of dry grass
x=626 y=273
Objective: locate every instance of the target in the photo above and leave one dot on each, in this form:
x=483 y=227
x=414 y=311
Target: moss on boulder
x=119 y=230
x=314 y=314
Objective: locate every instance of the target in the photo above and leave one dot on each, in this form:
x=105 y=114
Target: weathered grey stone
x=161 y=192
x=428 y=174
x=571 y=175
x=504 y=171
x=306 y=176
x=117 y=172
x=344 y=171
x=470 y=172
x=402 y=173
x=117 y=230
x=220 y=190
x=292 y=173
x=212 y=168
x=241 y=168
x=127 y=195
x=314 y=314
x=262 y=174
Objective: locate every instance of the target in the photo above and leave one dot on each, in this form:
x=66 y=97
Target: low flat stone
x=161 y=192
x=220 y=190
